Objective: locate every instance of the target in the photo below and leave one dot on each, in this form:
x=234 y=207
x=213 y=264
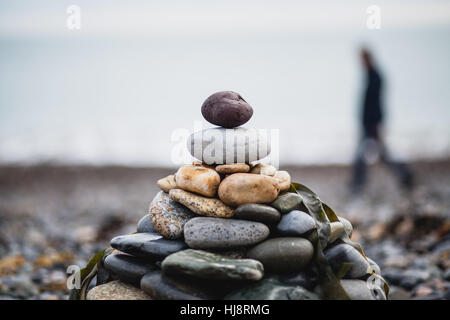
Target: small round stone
x=295 y=223
x=167 y=183
x=264 y=169
x=215 y=233
x=257 y=212
x=284 y=180
x=359 y=290
x=226 y=109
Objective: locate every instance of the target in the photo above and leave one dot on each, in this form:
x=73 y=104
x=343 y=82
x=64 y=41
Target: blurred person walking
x=371 y=146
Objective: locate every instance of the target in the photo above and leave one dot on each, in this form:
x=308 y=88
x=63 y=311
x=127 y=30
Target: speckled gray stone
x=218 y=233
x=207 y=265
x=168 y=216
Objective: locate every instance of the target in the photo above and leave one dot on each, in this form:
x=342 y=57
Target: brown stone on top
x=226 y=109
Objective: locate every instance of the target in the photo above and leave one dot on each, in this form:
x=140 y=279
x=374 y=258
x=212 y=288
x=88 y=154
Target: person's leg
x=400 y=169
x=359 y=169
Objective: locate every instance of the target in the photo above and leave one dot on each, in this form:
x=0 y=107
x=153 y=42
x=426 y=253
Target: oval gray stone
x=218 y=233
x=345 y=253
x=127 y=268
x=257 y=212
x=145 y=225
x=168 y=216
x=285 y=254
x=226 y=146
x=295 y=223
x=207 y=265
x=287 y=202
x=147 y=245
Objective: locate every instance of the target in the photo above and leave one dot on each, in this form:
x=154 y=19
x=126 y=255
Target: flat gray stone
x=218 y=233
x=147 y=245
x=206 y=265
x=227 y=146
x=128 y=268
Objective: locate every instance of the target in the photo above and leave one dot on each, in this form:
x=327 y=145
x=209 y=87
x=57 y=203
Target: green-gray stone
x=286 y=254
x=257 y=212
x=207 y=265
x=270 y=289
x=287 y=202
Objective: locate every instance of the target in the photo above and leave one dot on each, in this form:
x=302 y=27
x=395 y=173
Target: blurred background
x=86 y=118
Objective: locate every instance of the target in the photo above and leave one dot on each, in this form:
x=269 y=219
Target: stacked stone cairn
x=229 y=229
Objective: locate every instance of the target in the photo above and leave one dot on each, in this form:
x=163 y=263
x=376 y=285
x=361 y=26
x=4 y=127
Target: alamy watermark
x=73 y=21
x=373 y=21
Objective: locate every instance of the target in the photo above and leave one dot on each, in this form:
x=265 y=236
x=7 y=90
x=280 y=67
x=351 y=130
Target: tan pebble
x=337 y=230
x=264 y=169
x=198 y=179
x=233 y=168
x=284 y=180
x=210 y=207
x=241 y=188
x=167 y=183
x=116 y=290
x=197 y=163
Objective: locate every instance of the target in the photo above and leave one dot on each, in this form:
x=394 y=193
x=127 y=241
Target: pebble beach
x=53 y=216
